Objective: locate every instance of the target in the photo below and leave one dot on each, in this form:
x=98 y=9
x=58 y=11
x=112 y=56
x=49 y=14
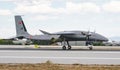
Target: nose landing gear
x=90 y=47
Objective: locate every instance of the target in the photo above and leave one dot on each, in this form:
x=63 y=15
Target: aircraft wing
x=44 y=32
x=59 y=33
x=64 y=33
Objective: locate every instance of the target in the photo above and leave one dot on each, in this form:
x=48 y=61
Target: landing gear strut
x=69 y=46
x=64 y=47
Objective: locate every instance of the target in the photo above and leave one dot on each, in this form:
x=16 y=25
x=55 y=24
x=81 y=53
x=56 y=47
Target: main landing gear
x=64 y=46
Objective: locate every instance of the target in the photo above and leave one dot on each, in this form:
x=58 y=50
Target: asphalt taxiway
x=76 y=56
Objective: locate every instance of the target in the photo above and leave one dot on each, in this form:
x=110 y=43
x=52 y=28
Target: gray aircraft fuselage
x=75 y=36
x=78 y=36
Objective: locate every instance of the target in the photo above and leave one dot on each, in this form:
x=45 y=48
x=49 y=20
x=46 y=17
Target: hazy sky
x=102 y=16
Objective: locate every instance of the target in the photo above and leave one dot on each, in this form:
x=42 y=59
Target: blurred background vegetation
x=40 y=42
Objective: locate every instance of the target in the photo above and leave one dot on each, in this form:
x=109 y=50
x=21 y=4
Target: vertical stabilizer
x=20 y=27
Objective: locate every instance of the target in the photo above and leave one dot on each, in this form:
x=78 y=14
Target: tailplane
x=20 y=27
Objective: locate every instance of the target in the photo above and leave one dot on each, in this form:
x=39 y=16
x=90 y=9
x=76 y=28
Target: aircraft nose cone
x=102 y=38
x=105 y=39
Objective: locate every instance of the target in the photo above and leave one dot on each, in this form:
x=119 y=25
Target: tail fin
x=20 y=27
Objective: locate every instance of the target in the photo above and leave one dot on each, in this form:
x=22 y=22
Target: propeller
x=86 y=33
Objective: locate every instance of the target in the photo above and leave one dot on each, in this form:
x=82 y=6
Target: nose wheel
x=90 y=47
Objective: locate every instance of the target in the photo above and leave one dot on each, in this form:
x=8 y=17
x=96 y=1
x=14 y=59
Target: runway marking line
x=64 y=51
x=28 y=57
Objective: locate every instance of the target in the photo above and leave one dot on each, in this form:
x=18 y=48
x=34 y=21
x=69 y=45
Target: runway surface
x=75 y=56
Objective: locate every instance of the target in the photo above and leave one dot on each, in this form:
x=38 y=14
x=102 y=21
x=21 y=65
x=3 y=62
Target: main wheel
x=64 y=47
x=69 y=47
